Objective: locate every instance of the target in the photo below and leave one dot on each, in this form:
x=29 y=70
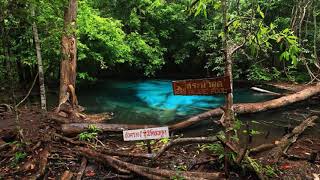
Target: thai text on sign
x=144 y=134
x=202 y=86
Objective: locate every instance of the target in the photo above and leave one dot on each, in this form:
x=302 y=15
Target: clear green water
x=152 y=101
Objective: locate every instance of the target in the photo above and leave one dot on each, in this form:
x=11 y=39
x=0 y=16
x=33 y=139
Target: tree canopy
x=150 y=38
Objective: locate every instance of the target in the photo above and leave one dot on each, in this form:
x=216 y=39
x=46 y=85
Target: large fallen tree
x=244 y=108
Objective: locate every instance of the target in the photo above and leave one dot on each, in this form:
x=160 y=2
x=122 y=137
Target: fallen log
x=151 y=173
x=289 y=86
x=244 y=108
x=285 y=142
x=74 y=128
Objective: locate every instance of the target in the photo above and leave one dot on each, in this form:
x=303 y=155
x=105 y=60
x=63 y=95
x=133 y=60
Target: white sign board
x=144 y=134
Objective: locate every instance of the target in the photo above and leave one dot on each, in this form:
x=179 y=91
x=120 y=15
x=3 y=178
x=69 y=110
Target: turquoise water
x=152 y=101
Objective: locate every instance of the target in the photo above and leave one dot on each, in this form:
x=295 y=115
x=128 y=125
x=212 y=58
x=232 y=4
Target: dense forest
x=56 y=49
x=121 y=38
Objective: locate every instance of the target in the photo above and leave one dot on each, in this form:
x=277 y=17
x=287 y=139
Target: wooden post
x=149 y=147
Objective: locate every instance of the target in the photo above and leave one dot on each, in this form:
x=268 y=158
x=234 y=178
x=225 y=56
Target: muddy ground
x=21 y=155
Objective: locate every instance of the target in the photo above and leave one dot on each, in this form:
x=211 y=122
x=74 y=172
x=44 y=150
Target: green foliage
x=252 y=132
x=258 y=167
x=292 y=49
x=144 y=36
x=216 y=148
x=165 y=140
x=147 y=57
x=258 y=73
x=179 y=169
x=178 y=177
x=85 y=76
x=87 y=136
x=18 y=157
x=295 y=75
x=90 y=134
x=141 y=144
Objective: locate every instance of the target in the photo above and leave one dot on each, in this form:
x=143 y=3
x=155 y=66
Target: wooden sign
x=144 y=134
x=206 y=86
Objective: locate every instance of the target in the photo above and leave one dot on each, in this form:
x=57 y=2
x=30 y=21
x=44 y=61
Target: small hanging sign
x=207 y=86
x=145 y=134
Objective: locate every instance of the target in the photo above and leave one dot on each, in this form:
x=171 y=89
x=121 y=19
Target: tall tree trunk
x=40 y=67
x=69 y=58
x=315 y=34
x=228 y=119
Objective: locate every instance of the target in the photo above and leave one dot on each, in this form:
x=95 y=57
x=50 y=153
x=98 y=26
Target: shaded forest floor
x=25 y=160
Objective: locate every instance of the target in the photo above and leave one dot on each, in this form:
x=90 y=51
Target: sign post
x=207 y=86
x=146 y=134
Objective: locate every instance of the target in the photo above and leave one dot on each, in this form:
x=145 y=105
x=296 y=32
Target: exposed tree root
x=43 y=161
x=245 y=157
x=244 y=108
x=67 y=175
x=82 y=168
x=200 y=163
x=151 y=173
x=184 y=141
x=79 y=117
x=103 y=149
x=5 y=108
x=126 y=154
x=119 y=176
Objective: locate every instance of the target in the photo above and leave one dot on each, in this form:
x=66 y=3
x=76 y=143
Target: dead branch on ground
x=283 y=145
